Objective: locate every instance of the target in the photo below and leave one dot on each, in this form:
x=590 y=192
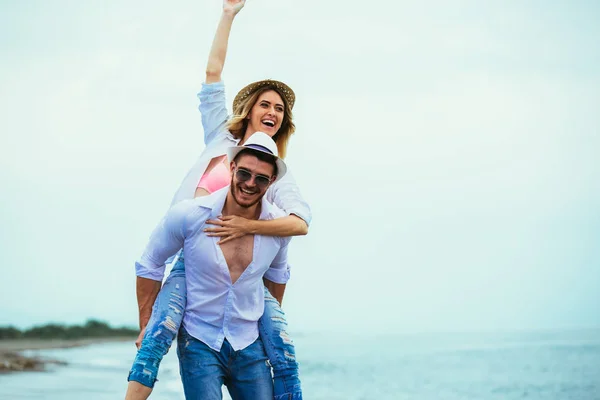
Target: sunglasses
x=243 y=175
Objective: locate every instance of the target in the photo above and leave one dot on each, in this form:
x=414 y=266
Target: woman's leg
x=167 y=314
x=280 y=350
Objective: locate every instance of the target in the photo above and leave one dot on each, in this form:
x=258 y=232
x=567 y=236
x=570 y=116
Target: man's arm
x=276 y=289
x=168 y=237
x=278 y=273
x=147 y=291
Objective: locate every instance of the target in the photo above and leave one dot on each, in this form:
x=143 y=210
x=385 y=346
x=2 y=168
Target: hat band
x=259 y=148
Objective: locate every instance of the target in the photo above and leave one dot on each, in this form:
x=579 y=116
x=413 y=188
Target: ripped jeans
x=165 y=322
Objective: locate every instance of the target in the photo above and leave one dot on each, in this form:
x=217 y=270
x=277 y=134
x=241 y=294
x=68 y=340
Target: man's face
x=247 y=193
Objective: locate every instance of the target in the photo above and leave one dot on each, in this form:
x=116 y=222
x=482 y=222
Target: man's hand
x=229 y=227
x=138 y=341
x=233 y=6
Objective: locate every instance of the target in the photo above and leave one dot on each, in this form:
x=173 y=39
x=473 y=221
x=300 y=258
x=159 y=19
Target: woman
x=261 y=106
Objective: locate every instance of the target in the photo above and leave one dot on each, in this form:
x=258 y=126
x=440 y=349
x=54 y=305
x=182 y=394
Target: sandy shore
x=12 y=360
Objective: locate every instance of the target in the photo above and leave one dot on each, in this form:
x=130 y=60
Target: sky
x=449 y=151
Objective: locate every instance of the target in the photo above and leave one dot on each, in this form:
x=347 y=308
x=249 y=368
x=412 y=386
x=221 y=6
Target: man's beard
x=235 y=188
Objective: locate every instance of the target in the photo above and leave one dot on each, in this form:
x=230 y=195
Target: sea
x=541 y=365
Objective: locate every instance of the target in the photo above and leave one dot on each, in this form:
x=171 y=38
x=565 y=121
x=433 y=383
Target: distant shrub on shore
x=91 y=329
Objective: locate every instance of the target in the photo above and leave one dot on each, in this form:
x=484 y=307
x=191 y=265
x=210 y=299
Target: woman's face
x=267 y=114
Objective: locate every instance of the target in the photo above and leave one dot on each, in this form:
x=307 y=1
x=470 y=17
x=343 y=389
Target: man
x=218 y=342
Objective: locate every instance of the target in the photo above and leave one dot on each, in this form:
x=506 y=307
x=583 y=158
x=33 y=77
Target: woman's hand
x=233 y=6
x=228 y=228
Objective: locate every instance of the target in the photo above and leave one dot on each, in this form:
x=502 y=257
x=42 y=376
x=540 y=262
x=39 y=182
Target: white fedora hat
x=260 y=141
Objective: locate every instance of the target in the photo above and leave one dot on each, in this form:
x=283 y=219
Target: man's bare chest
x=238 y=255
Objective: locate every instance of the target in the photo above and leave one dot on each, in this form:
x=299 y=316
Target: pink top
x=217 y=178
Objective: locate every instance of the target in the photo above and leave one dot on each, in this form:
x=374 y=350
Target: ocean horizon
x=540 y=365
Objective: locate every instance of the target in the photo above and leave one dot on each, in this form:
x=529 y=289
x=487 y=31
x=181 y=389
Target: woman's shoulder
x=223 y=138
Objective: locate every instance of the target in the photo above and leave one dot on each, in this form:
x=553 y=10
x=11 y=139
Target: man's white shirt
x=216 y=309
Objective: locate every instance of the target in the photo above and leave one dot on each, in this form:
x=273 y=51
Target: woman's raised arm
x=218 y=50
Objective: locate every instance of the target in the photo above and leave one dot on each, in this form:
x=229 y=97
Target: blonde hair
x=238 y=123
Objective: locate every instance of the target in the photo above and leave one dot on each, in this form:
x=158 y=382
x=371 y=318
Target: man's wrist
x=144 y=321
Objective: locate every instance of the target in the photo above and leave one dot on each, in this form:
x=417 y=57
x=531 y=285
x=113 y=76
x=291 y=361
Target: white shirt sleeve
x=213 y=109
x=279 y=271
x=166 y=240
x=285 y=194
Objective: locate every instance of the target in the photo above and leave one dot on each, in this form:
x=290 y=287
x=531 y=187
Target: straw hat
x=281 y=87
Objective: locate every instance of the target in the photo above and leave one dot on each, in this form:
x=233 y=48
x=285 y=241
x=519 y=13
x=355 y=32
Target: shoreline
x=12 y=359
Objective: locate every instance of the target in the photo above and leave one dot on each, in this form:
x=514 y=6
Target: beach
x=540 y=365
x=13 y=359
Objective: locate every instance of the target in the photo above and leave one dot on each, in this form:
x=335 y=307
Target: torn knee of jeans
x=279 y=320
x=170 y=324
x=176 y=308
x=157 y=333
x=289 y=356
x=140 y=362
x=176 y=296
x=176 y=300
x=176 y=304
x=285 y=337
